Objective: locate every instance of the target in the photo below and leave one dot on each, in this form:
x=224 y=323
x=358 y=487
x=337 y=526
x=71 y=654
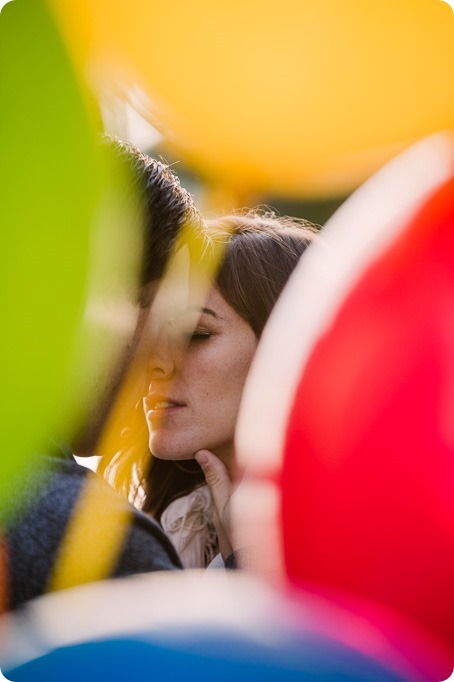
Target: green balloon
x=49 y=190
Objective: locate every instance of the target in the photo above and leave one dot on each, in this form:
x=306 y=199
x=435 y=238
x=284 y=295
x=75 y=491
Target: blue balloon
x=195 y=656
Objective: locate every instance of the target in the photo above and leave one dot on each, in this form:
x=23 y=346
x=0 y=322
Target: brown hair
x=262 y=250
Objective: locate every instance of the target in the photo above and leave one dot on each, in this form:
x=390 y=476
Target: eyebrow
x=200 y=309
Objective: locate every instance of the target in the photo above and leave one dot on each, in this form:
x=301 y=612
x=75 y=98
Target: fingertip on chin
x=201 y=457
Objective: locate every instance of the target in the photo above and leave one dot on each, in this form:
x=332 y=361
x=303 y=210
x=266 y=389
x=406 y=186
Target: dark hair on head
x=166 y=206
x=261 y=251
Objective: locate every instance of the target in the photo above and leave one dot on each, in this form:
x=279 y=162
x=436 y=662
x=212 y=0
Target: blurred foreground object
x=347 y=424
x=194 y=626
x=49 y=191
x=291 y=98
x=73 y=238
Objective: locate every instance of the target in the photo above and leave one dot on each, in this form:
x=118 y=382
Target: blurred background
x=290 y=104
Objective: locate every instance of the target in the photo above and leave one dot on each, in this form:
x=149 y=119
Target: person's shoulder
x=61 y=480
x=146 y=546
x=61 y=496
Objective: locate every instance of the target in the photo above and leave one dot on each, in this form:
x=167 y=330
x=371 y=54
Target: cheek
x=235 y=374
x=216 y=375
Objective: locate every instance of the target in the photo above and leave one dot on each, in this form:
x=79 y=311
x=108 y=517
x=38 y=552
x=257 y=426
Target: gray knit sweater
x=33 y=534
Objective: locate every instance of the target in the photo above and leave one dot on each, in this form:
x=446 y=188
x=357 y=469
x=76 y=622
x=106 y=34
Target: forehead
x=182 y=286
x=217 y=304
x=168 y=299
x=209 y=303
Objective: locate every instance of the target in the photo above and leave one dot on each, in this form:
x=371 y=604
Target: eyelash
x=199 y=335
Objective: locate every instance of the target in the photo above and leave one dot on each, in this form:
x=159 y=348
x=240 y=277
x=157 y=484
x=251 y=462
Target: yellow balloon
x=291 y=97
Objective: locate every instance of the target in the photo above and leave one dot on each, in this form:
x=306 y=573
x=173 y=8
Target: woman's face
x=197 y=372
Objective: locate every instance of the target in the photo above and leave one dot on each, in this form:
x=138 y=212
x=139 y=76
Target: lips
x=163 y=404
x=155 y=403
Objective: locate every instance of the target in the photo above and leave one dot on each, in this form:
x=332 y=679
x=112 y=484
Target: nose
x=161 y=363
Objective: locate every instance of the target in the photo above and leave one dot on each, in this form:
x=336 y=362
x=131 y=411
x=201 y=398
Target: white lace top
x=188 y=521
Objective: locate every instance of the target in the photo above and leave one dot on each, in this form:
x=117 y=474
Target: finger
x=216 y=476
x=218 y=480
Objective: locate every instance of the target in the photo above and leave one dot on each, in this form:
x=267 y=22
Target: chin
x=168 y=451
x=172 y=457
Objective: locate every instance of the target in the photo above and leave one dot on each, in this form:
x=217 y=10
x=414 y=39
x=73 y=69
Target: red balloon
x=371 y=434
x=367 y=461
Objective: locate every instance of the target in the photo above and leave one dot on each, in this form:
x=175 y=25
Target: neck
x=226 y=453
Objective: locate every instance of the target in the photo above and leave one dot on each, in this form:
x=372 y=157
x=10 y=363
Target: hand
x=221 y=488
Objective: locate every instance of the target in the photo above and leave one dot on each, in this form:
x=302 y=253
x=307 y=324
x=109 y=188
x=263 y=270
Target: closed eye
x=199 y=335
